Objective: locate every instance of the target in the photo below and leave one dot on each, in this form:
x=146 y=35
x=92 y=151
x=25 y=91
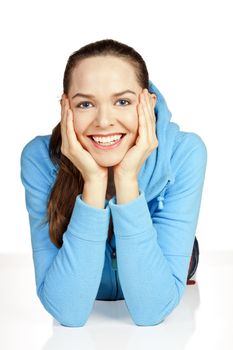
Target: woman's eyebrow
x=92 y=96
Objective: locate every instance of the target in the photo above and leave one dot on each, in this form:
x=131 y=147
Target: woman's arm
x=67 y=279
x=94 y=193
x=154 y=249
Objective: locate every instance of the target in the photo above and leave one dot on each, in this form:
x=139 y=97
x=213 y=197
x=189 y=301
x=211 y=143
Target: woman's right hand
x=73 y=149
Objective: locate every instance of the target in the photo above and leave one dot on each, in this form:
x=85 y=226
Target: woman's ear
x=62 y=96
x=154 y=99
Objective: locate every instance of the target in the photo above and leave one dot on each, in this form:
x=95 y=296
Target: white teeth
x=106 y=143
x=106 y=139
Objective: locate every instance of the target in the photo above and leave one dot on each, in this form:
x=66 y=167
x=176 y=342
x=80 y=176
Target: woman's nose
x=104 y=116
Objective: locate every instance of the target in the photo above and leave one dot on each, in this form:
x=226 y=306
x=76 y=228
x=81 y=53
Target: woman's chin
x=105 y=162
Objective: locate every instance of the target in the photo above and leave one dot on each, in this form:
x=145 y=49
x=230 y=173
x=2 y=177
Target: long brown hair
x=69 y=182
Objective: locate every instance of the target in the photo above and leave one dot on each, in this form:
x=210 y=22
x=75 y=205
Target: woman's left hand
x=146 y=142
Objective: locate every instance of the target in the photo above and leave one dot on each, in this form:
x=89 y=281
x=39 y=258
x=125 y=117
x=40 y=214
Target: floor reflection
x=109 y=326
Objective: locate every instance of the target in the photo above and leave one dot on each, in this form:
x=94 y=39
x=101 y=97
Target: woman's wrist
x=94 y=192
x=126 y=189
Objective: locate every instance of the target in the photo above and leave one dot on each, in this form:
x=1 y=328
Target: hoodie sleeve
x=67 y=279
x=154 y=249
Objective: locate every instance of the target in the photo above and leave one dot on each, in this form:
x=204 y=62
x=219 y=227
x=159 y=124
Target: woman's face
x=110 y=110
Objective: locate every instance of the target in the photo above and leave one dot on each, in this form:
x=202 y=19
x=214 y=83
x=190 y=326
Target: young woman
x=113 y=195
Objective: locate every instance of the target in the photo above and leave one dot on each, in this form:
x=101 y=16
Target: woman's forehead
x=103 y=69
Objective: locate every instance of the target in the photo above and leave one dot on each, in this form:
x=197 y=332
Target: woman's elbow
x=156 y=314
x=147 y=322
x=71 y=323
x=66 y=315
x=68 y=318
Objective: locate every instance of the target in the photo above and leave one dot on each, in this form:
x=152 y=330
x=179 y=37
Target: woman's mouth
x=106 y=145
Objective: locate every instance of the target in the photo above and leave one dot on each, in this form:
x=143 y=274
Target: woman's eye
x=82 y=103
x=85 y=103
x=125 y=101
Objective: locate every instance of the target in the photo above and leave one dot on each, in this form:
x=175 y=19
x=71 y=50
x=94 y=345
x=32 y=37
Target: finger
x=64 y=125
x=144 y=114
x=150 y=109
x=143 y=118
x=153 y=103
x=71 y=135
x=149 y=104
x=150 y=125
x=63 y=106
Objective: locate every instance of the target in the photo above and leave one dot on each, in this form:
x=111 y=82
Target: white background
x=187 y=46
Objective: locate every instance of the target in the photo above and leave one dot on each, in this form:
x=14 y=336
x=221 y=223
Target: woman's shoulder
x=189 y=138
x=187 y=141
x=39 y=145
x=35 y=154
x=189 y=148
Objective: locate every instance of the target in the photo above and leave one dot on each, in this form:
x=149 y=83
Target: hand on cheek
x=146 y=141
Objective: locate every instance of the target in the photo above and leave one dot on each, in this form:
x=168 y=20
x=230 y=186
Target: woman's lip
x=107 y=135
x=99 y=146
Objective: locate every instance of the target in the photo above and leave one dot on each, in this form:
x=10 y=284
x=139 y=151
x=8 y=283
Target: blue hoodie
x=147 y=260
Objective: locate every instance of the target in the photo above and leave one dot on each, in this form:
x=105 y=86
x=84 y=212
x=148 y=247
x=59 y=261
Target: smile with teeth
x=106 y=141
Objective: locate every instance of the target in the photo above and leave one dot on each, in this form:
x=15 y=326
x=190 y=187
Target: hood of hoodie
x=156 y=171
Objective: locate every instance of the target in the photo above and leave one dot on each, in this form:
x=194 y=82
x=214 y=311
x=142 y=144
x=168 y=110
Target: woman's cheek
x=75 y=124
x=134 y=122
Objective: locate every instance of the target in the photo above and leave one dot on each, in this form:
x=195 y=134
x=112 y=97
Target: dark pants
x=193 y=262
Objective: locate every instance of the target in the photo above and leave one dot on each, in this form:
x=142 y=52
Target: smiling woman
x=113 y=194
x=101 y=80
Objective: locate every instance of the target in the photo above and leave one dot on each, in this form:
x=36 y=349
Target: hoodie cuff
x=88 y=222
x=131 y=218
